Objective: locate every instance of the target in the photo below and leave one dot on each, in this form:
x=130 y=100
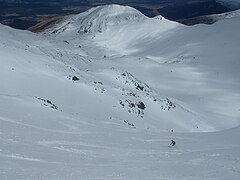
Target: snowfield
x=100 y=95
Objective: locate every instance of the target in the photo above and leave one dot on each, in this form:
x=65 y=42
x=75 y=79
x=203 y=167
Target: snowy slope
x=142 y=82
x=163 y=51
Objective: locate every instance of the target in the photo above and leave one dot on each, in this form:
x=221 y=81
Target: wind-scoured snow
x=101 y=94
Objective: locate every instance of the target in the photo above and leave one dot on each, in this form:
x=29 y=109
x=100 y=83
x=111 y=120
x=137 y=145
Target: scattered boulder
x=75 y=78
x=168 y=105
x=139 y=87
x=47 y=102
x=132 y=105
x=128 y=123
x=141 y=105
x=99 y=82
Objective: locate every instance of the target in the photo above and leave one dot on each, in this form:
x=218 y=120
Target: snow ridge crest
x=101 y=19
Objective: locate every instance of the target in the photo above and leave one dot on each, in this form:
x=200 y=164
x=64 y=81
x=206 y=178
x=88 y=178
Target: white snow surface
x=100 y=19
x=142 y=82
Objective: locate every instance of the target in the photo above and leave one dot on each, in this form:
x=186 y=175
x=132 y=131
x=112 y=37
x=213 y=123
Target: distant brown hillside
x=45 y=24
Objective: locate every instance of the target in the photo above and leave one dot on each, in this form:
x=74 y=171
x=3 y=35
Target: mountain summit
x=100 y=19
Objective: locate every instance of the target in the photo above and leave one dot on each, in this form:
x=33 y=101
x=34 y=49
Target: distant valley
x=23 y=14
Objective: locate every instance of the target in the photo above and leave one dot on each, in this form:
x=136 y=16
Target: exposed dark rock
x=47 y=103
x=141 y=105
x=75 y=78
x=139 y=87
x=122 y=104
x=132 y=105
x=130 y=124
x=169 y=105
x=99 y=82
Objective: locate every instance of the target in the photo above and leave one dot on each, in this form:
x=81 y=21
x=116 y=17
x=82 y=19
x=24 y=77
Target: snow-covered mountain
x=100 y=19
x=100 y=95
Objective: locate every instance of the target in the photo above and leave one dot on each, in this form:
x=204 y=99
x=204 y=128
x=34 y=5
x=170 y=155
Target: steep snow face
x=100 y=19
x=106 y=105
x=42 y=70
